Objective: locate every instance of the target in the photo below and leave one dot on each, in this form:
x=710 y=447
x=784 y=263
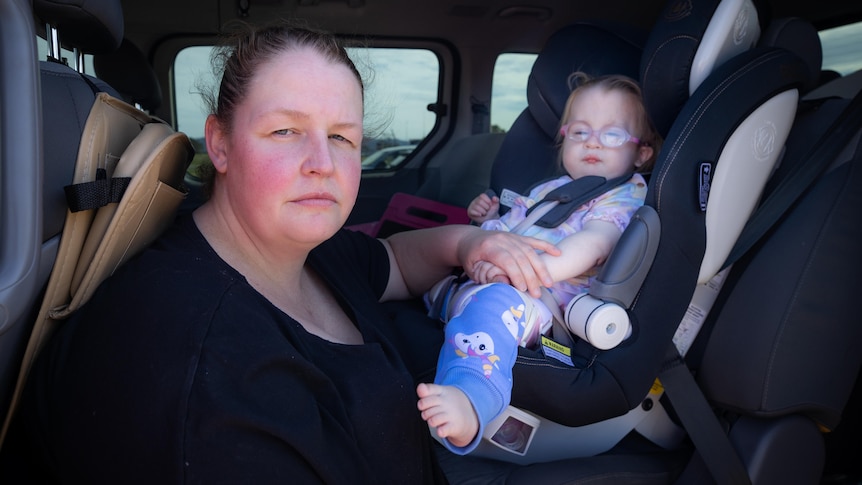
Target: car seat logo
x=678 y=10
x=740 y=27
x=764 y=141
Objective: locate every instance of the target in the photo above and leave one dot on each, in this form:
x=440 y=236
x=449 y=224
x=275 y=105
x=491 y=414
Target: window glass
x=509 y=89
x=841 y=48
x=399 y=86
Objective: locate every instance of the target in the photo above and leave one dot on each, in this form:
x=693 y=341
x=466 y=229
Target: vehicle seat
x=461 y=171
x=777 y=358
x=129 y=72
x=66 y=97
x=66 y=94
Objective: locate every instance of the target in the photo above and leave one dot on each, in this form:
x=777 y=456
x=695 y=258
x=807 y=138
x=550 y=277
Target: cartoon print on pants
x=512 y=318
x=479 y=345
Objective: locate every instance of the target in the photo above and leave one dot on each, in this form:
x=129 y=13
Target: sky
x=399 y=86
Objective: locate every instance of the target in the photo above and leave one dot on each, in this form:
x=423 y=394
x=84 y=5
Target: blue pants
x=481 y=347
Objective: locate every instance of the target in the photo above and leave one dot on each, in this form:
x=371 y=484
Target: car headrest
x=801 y=38
x=688 y=41
x=595 y=48
x=92 y=26
x=128 y=71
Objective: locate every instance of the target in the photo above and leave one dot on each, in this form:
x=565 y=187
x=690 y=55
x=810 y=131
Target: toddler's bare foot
x=448 y=409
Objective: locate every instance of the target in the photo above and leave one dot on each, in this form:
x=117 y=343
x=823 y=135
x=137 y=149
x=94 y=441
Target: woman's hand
x=496 y=256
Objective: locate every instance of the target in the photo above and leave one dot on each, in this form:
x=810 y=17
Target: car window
x=509 y=89
x=399 y=86
x=841 y=48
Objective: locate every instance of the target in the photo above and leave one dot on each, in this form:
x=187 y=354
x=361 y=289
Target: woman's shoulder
x=173 y=269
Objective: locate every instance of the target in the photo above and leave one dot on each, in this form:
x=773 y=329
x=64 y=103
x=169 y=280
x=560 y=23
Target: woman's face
x=596 y=109
x=289 y=167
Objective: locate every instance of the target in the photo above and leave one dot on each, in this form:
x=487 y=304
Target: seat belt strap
x=97 y=193
x=807 y=169
x=700 y=422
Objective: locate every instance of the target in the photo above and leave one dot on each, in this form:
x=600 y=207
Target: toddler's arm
x=583 y=250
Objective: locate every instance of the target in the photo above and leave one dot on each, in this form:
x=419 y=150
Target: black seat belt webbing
x=700 y=422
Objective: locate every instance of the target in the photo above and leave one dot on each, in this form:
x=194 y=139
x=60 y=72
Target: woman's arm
x=580 y=252
x=422 y=257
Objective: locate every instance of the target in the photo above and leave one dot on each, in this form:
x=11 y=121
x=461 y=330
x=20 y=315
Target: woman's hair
x=240 y=53
x=644 y=128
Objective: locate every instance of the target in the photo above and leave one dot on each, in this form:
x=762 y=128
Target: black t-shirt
x=178 y=371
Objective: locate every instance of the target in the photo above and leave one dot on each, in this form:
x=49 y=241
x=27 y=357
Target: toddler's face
x=597 y=109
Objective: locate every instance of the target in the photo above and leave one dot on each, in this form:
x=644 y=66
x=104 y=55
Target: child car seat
x=712 y=137
x=776 y=351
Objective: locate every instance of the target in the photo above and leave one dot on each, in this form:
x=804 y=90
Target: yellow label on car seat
x=557 y=351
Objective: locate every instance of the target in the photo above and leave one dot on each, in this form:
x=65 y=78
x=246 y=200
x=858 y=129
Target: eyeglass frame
x=564 y=132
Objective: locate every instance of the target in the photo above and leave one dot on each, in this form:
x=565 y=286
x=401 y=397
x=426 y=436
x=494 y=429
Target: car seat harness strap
x=559 y=204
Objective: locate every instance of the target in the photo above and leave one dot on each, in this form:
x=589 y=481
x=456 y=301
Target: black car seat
x=749 y=97
x=64 y=101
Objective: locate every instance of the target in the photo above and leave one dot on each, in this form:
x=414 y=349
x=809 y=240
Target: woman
x=247 y=344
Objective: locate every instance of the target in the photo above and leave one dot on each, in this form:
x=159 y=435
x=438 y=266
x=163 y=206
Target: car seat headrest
x=689 y=40
x=801 y=38
x=92 y=26
x=128 y=71
x=595 y=48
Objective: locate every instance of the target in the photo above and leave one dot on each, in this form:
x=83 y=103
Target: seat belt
x=812 y=164
x=689 y=402
x=700 y=422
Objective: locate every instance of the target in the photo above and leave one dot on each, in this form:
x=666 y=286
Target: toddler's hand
x=483 y=207
x=485 y=272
